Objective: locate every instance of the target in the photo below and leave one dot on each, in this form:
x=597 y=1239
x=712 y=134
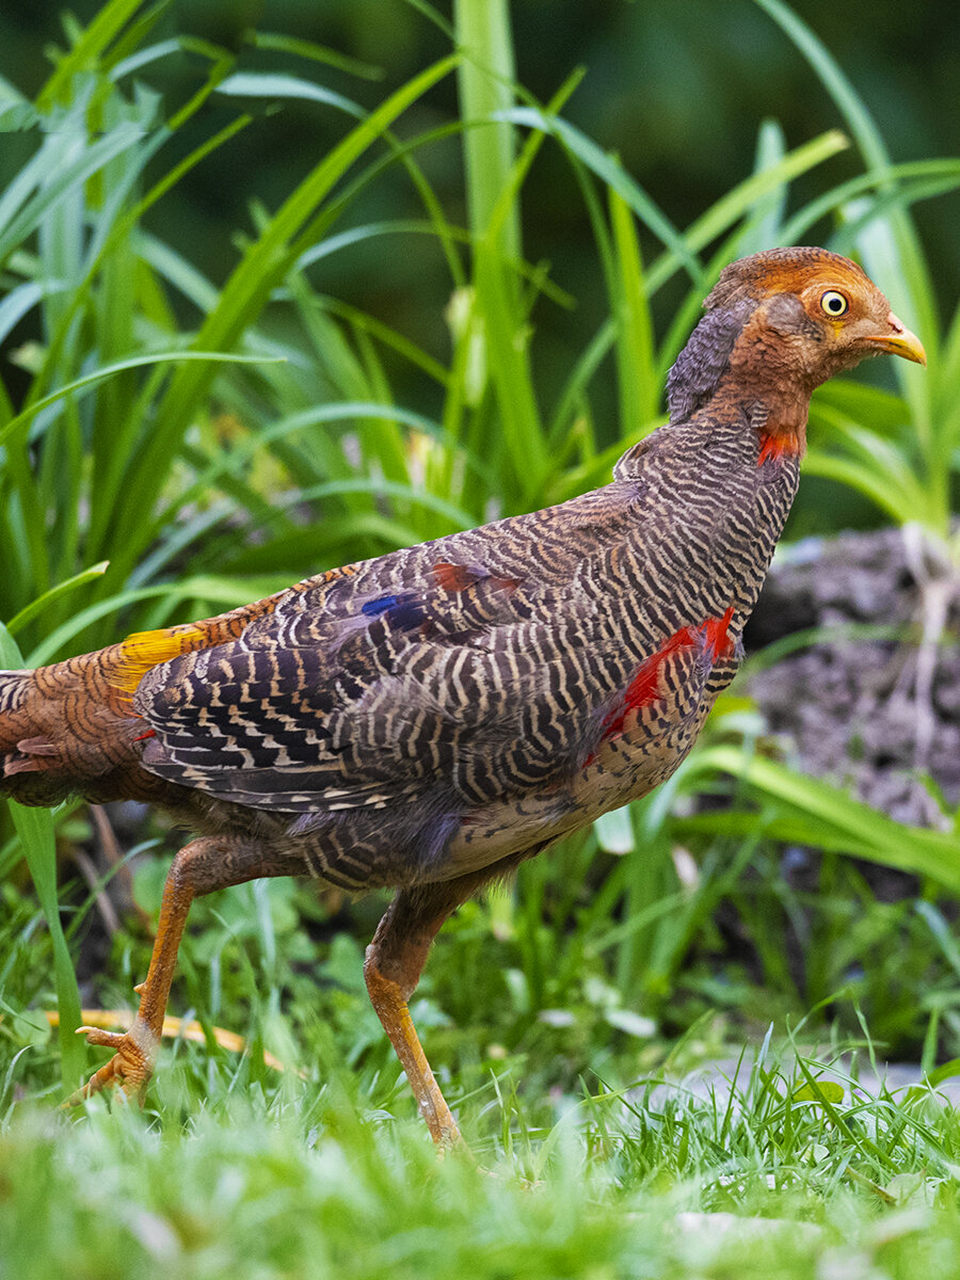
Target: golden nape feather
x=430 y=719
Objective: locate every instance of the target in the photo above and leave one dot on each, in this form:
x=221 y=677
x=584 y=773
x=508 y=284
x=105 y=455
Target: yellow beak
x=898 y=341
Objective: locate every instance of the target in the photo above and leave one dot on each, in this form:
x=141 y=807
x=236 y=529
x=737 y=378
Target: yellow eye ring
x=834 y=304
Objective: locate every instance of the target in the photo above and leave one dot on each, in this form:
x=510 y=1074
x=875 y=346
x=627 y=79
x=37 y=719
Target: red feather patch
x=457 y=577
x=777 y=448
x=453 y=577
x=644 y=689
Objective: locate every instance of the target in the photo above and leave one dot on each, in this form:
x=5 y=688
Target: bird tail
x=22 y=774
x=70 y=728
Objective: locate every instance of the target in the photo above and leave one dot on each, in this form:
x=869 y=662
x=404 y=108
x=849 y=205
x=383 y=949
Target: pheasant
x=430 y=719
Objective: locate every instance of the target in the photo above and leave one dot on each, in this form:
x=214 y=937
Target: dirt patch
x=868 y=706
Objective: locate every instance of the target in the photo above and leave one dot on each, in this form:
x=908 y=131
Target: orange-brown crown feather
x=790 y=270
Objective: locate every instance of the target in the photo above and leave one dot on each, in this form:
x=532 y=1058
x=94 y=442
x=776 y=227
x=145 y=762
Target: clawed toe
x=96 y=1035
x=129 y=1069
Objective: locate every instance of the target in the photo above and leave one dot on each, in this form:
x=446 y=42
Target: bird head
x=781 y=322
x=821 y=309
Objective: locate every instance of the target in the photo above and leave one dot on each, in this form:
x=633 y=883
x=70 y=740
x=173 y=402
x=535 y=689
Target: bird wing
x=479 y=665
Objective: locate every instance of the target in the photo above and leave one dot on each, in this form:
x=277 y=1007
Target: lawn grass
x=183 y=446
x=286 y=1180
x=595 y=1148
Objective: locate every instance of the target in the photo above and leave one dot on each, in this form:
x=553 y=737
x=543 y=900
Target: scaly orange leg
x=387 y=998
x=200 y=867
x=392 y=968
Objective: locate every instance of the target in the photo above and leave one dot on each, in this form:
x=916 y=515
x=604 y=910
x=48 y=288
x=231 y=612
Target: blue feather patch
x=374 y=608
x=405 y=611
x=407 y=614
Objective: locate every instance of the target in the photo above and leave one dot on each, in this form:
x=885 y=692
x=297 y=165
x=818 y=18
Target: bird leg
x=392 y=968
x=199 y=868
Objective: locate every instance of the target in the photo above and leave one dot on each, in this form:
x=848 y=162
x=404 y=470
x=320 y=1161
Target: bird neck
x=776 y=413
x=730 y=370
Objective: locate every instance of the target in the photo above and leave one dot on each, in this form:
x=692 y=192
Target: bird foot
x=131 y=1066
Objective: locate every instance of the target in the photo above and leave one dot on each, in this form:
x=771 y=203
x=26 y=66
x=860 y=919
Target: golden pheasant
x=430 y=719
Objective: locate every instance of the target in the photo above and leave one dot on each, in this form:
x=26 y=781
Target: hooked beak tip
x=898 y=341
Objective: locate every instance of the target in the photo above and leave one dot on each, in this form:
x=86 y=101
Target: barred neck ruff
x=775 y=416
x=753 y=359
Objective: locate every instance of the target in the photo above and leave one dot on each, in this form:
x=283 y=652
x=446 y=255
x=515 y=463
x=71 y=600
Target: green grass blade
x=106 y=25
x=35 y=829
x=916 y=180
x=763 y=230
x=918 y=306
x=894 y=844
x=729 y=208
x=612 y=173
x=134 y=362
x=282 y=43
x=36 y=607
x=62 y=187
x=485 y=77
x=851 y=106
x=260 y=84
x=263 y=266
x=637 y=380
x=899 y=504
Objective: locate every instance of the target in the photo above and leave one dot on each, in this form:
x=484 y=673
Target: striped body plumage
x=431 y=718
x=425 y=713
x=422 y=714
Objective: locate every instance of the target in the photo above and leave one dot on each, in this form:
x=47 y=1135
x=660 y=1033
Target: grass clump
x=772 y=1180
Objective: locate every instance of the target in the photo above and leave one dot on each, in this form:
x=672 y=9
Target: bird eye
x=833 y=304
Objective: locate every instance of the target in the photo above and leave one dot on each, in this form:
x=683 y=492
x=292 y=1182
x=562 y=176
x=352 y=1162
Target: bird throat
x=778 y=447
x=718 y=371
x=781 y=427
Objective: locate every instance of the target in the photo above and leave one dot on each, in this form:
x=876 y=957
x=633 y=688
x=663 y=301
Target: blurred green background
x=677 y=90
